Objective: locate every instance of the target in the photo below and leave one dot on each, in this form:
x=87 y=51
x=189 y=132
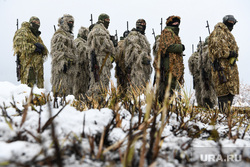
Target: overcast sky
x=193 y=13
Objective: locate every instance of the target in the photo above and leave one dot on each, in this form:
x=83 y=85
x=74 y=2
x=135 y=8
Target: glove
x=183 y=47
x=145 y=61
x=39 y=48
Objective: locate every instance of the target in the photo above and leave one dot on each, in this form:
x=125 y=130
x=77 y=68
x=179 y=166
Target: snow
x=71 y=124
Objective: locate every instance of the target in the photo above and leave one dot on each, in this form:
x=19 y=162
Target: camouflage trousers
x=163 y=85
x=32 y=76
x=225 y=102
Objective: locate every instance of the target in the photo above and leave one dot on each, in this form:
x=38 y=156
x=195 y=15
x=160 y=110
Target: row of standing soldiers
x=82 y=66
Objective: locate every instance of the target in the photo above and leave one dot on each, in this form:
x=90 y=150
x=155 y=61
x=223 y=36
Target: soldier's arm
x=22 y=44
x=175 y=48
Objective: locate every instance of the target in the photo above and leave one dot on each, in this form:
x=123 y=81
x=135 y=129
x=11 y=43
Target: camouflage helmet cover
x=102 y=17
x=139 y=22
x=34 y=18
x=170 y=19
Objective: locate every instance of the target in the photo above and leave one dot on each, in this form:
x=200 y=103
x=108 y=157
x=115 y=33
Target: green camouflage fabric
x=82 y=64
x=221 y=42
x=175 y=62
x=137 y=59
x=99 y=42
x=63 y=59
x=31 y=61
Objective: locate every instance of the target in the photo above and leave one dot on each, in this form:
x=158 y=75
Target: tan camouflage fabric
x=221 y=42
x=137 y=48
x=193 y=64
x=23 y=45
x=63 y=60
x=82 y=77
x=176 y=66
x=155 y=51
x=99 y=42
x=200 y=68
x=120 y=70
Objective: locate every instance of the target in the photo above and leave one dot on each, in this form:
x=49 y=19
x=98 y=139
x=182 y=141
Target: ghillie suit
x=120 y=70
x=32 y=52
x=193 y=64
x=82 y=76
x=63 y=57
x=171 y=50
x=155 y=54
x=223 y=52
x=101 y=49
x=208 y=94
x=137 y=58
x=200 y=68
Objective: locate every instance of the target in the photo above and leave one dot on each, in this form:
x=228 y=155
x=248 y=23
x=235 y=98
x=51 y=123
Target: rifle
x=55 y=28
x=94 y=66
x=18 y=63
x=91 y=19
x=114 y=39
x=217 y=67
x=154 y=34
x=207 y=26
x=161 y=24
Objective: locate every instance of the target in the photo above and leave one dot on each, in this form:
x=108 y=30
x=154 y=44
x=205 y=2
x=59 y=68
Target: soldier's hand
x=39 y=48
x=232 y=54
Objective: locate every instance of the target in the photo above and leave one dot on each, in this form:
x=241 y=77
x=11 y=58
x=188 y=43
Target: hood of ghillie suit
x=83 y=33
x=63 y=22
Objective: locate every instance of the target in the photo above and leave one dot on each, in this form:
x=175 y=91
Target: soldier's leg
x=31 y=77
x=225 y=102
x=39 y=76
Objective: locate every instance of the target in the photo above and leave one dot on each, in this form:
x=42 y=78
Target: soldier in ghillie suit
x=200 y=67
x=155 y=54
x=223 y=52
x=28 y=45
x=171 y=52
x=193 y=64
x=137 y=57
x=63 y=57
x=101 y=50
x=82 y=77
x=120 y=71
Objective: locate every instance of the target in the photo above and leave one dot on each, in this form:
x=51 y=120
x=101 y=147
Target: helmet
x=141 y=25
x=35 y=22
x=66 y=22
x=229 y=18
x=104 y=18
x=172 y=19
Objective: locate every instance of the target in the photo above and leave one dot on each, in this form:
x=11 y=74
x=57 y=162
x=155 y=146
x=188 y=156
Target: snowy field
x=42 y=135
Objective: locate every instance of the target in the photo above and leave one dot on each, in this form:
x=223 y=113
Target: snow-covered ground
x=25 y=140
